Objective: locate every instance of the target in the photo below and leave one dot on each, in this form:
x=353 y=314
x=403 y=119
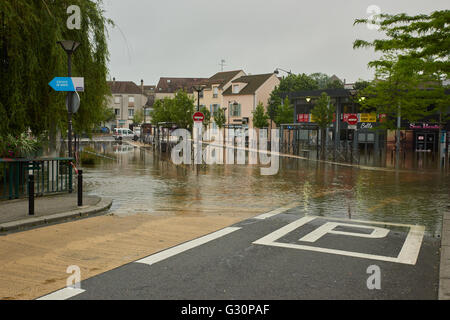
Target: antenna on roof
x=222 y=64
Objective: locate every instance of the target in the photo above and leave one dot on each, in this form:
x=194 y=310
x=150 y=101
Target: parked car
x=123 y=133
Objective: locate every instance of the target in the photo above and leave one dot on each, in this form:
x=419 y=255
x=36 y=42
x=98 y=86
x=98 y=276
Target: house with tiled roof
x=167 y=87
x=126 y=99
x=212 y=97
x=244 y=94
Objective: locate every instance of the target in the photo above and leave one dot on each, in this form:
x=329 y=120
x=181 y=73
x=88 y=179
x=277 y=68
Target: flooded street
x=141 y=182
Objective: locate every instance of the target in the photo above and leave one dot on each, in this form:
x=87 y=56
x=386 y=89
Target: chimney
x=142 y=86
x=114 y=80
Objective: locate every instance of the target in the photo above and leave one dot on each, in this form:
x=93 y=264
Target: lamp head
x=69 y=46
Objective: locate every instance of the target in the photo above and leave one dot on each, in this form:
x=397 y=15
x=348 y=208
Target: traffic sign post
x=75 y=99
x=67 y=84
x=352 y=120
x=199 y=117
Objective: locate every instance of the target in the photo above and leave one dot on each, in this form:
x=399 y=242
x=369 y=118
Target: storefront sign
x=366 y=125
x=303 y=117
x=368 y=117
x=423 y=126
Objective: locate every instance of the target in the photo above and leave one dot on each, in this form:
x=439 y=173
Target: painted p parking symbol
x=329 y=228
x=408 y=254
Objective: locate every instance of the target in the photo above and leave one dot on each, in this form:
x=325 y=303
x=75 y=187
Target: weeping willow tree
x=30 y=58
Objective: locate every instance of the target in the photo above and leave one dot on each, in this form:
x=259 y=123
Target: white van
x=122 y=133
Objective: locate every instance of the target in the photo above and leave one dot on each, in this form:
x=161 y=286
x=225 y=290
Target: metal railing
x=53 y=175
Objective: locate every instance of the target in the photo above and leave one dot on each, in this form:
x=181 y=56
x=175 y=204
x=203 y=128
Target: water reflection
x=141 y=181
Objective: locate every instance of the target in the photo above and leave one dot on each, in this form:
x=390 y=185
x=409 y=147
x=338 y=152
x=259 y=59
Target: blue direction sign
x=67 y=84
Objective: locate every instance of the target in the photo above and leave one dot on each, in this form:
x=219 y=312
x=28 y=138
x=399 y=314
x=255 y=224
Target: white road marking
x=186 y=246
x=408 y=254
x=276 y=211
x=63 y=294
x=329 y=227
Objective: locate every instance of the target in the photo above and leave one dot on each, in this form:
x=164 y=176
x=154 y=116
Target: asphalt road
x=284 y=256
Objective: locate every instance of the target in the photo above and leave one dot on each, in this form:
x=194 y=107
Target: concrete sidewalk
x=14 y=214
x=444 y=270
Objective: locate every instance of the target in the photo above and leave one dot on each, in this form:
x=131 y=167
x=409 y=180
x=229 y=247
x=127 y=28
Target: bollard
x=80 y=188
x=31 y=195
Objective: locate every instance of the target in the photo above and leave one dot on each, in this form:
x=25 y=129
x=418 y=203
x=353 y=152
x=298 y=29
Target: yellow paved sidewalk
x=34 y=263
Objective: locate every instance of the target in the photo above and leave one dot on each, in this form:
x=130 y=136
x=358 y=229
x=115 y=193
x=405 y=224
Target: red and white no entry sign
x=199 y=117
x=352 y=119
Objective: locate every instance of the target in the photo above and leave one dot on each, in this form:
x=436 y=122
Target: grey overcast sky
x=188 y=38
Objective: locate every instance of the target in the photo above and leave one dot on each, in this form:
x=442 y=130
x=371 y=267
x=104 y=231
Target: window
x=235 y=88
x=117 y=112
x=214 y=108
x=215 y=92
x=116 y=99
x=131 y=99
x=130 y=113
x=147 y=111
x=235 y=110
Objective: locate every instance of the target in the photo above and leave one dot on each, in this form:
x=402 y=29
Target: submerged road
x=281 y=255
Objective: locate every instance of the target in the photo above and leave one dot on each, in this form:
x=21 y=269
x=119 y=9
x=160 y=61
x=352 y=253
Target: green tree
x=260 y=117
x=108 y=115
x=415 y=51
x=182 y=110
x=161 y=111
x=285 y=113
x=361 y=85
x=323 y=113
x=207 y=114
x=219 y=118
x=138 y=117
x=424 y=37
x=288 y=84
x=30 y=59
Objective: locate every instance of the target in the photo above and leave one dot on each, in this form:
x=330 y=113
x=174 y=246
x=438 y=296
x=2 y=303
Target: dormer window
x=235 y=88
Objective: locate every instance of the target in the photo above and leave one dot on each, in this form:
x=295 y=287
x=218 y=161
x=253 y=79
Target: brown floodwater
x=142 y=181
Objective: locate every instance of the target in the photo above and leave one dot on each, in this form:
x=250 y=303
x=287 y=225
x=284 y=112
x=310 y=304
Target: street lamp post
x=69 y=46
x=199 y=89
x=277 y=71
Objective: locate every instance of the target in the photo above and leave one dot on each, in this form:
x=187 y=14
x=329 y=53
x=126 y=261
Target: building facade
x=244 y=94
x=127 y=98
x=212 y=96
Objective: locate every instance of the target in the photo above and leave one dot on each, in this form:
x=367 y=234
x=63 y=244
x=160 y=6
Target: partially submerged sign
x=67 y=84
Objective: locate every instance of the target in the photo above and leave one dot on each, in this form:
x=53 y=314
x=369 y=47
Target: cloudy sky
x=189 y=38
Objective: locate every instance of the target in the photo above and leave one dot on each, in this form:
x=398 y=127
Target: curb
x=21 y=225
x=444 y=269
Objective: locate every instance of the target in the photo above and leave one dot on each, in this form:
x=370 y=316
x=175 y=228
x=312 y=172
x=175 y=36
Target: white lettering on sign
x=74 y=20
x=366 y=126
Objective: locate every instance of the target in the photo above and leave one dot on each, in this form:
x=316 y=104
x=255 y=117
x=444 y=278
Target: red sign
x=303 y=117
x=198 y=117
x=352 y=119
